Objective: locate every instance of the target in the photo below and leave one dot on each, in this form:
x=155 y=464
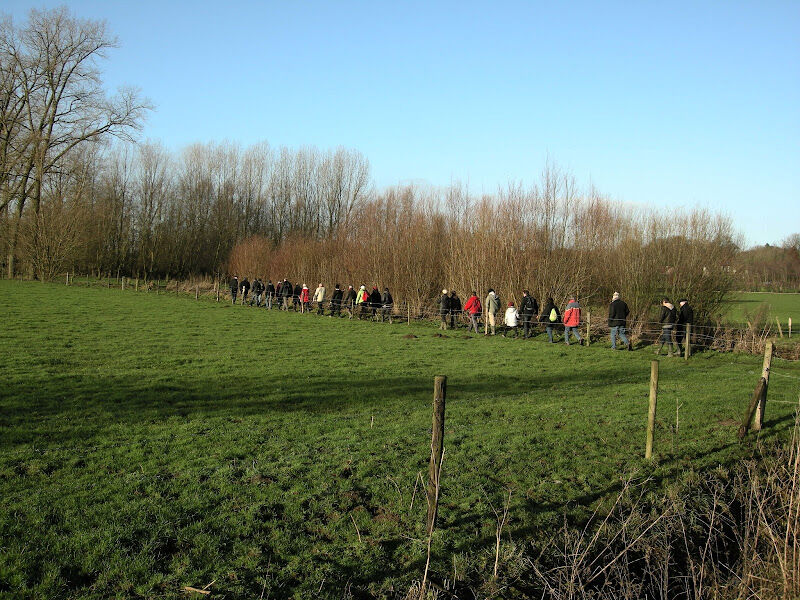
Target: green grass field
x=744 y=305
x=149 y=442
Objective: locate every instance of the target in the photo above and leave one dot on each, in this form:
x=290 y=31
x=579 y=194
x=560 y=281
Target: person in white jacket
x=511 y=320
x=319 y=297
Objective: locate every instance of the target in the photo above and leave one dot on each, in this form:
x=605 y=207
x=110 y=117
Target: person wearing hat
x=362 y=298
x=492 y=307
x=336 y=301
x=511 y=320
x=528 y=309
x=617 y=316
x=304 y=299
x=667 y=320
x=387 y=305
x=444 y=309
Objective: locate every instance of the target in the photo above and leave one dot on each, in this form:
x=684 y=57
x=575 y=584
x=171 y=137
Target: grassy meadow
x=151 y=442
x=743 y=306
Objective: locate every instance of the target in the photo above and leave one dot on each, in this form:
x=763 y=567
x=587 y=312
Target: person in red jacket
x=304 y=299
x=473 y=307
x=572 y=318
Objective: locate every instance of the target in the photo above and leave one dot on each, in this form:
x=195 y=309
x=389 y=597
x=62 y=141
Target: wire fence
x=719 y=336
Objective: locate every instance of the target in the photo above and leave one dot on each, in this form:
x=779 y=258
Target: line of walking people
x=516 y=321
x=284 y=296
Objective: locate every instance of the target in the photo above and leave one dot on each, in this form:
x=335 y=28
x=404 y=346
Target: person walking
x=286 y=294
x=350 y=301
x=572 y=319
x=234 y=288
x=617 y=319
x=362 y=299
x=319 y=298
x=336 y=301
x=550 y=317
x=258 y=290
x=528 y=309
x=455 y=308
x=270 y=295
x=492 y=307
x=298 y=289
x=374 y=302
x=685 y=317
x=387 y=305
x=473 y=307
x=304 y=298
x=245 y=290
x=511 y=320
x=667 y=319
x=444 y=309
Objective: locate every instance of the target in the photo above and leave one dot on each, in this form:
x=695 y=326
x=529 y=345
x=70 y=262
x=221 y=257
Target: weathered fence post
x=136 y=289
x=780 y=330
x=409 y=313
x=437 y=448
x=588 y=328
x=790 y=327
x=196 y=291
x=748 y=415
x=216 y=288
x=758 y=417
x=122 y=285
x=687 y=352
x=651 y=413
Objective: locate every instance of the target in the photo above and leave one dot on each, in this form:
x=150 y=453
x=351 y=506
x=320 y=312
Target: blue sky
x=679 y=104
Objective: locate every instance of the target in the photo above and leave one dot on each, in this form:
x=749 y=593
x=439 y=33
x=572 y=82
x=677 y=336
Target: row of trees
x=547 y=237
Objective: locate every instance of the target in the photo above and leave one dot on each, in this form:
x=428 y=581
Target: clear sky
x=668 y=104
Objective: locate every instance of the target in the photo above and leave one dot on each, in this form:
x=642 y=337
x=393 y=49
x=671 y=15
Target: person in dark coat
x=245 y=290
x=387 y=305
x=270 y=295
x=234 y=288
x=455 y=308
x=550 y=317
x=374 y=301
x=336 y=301
x=685 y=317
x=617 y=320
x=286 y=293
x=528 y=309
x=350 y=300
x=298 y=289
x=444 y=309
x=667 y=319
x=258 y=290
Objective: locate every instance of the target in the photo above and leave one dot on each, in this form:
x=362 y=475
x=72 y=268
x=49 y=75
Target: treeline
x=548 y=238
x=770 y=268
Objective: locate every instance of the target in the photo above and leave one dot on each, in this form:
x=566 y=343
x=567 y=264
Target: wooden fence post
x=588 y=328
x=437 y=448
x=122 y=285
x=688 y=349
x=790 y=327
x=651 y=413
x=780 y=330
x=136 y=289
x=196 y=291
x=409 y=313
x=751 y=408
x=216 y=288
x=67 y=278
x=758 y=417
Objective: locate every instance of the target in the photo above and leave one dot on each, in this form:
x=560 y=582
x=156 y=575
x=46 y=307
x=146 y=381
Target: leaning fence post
x=758 y=417
x=687 y=352
x=651 y=413
x=751 y=408
x=780 y=330
x=437 y=447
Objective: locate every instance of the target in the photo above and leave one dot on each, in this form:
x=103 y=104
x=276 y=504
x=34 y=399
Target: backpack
x=553 y=315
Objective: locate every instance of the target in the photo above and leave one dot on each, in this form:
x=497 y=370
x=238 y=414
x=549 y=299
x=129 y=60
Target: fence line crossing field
x=151 y=442
x=744 y=305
